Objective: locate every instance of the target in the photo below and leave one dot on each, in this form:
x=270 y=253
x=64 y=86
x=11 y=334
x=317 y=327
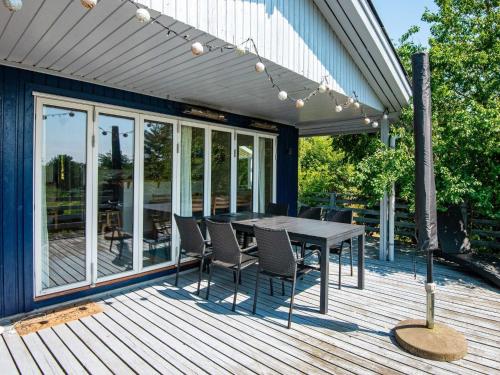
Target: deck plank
x=7 y=363
x=156 y=327
x=42 y=356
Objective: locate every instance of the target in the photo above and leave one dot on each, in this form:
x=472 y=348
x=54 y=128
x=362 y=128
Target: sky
x=399 y=15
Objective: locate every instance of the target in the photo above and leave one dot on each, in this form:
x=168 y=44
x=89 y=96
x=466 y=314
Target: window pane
x=192 y=170
x=63 y=196
x=115 y=186
x=245 y=173
x=265 y=173
x=221 y=172
x=157 y=210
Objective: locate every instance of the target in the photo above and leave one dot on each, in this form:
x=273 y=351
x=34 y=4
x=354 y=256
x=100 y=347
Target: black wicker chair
x=277 y=209
x=192 y=244
x=345 y=217
x=277 y=260
x=307 y=212
x=227 y=253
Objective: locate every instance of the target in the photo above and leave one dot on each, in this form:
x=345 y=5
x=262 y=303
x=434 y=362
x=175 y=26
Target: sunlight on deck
x=160 y=328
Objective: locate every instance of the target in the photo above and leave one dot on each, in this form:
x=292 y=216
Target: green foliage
x=321 y=169
x=465 y=78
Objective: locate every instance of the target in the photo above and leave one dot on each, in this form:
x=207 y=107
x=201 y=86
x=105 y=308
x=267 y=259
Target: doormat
x=55 y=317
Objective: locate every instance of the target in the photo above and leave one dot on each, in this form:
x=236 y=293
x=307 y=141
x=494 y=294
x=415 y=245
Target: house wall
x=293 y=34
x=16 y=172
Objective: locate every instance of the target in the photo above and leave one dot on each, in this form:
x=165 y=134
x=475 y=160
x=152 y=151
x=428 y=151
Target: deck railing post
x=384 y=137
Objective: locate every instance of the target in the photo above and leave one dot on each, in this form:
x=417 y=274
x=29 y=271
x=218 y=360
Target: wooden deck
x=158 y=328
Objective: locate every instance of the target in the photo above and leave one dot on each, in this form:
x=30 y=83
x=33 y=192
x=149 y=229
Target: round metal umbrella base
x=441 y=343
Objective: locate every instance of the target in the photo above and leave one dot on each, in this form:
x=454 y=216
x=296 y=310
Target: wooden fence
x=484 y=232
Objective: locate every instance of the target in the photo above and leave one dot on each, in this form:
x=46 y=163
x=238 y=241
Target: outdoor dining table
x=324 y=234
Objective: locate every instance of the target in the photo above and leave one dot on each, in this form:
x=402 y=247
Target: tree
x=465 y=76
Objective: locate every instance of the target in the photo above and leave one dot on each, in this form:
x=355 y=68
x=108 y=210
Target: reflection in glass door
x=266 y=172
x=220 y=201
x=244 y=174
x=115 y=195
x=63 y=257
x=157 y=193
x=192 y=171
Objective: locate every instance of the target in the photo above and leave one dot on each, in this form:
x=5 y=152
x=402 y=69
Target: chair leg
x=350 y=254
x=178 y=268
x=199 y=275
x=271 y=291
x=340 y=265
x=236 y=286
x=256 y=292
x=282 y=288
x=210 y=270
x=291 y=301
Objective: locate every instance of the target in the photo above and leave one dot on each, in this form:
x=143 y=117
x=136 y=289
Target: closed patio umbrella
x=425 y=338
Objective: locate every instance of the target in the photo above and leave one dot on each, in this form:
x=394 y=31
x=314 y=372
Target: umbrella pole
x=425 y=338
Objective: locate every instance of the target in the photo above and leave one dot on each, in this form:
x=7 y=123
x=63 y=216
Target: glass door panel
x=192 y=171
x=244 y=173
x=157 y=195
x=115 y=195
x=220 y=201
x=265 y=181
x=62 y=197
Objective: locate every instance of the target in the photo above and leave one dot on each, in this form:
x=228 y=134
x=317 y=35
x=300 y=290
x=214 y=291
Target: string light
x=375 y=124
x=13 y=5
x=142 y=15
x=197 y=48
x=322 y=88
x=282 y=95
x=240 y=50
x=88 y=4
x=260 y=67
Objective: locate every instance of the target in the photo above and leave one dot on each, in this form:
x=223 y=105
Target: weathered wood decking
x=160 y=328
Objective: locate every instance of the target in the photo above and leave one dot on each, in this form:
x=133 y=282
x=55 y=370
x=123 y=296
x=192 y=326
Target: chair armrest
x=249 y=249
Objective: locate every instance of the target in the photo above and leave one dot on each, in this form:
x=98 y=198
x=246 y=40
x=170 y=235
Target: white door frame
x=37 y=217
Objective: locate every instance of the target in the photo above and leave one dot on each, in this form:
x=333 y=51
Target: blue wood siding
x=16 y=171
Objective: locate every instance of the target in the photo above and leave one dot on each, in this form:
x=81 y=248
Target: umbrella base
x=441 y=343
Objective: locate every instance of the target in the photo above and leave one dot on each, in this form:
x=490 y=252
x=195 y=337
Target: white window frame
x=93 y=110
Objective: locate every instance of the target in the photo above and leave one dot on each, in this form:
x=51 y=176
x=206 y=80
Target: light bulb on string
x=282 y=95
x=88 y=4
x=356 y=105
x=322 y=88
x=375 y=124
x=367 y=120
x=338 y=108
x=350 y=100
x=197 y=48
x=13 y=5
x=385 y=116
x=299 y=104
x=142 y=15
x=260 y=67
x=240 y=50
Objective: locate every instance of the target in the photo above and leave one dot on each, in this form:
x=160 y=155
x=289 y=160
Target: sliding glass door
x=115 y=194
x=192 y=171
x=220 y=181
x=157 y=196
x=108 y=181
x=63 y=196
x=244 y=172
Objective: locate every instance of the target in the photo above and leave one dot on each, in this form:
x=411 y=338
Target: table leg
x=325 y=272
x=361 y=261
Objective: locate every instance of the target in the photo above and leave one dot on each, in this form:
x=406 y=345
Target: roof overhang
x=107 y=46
